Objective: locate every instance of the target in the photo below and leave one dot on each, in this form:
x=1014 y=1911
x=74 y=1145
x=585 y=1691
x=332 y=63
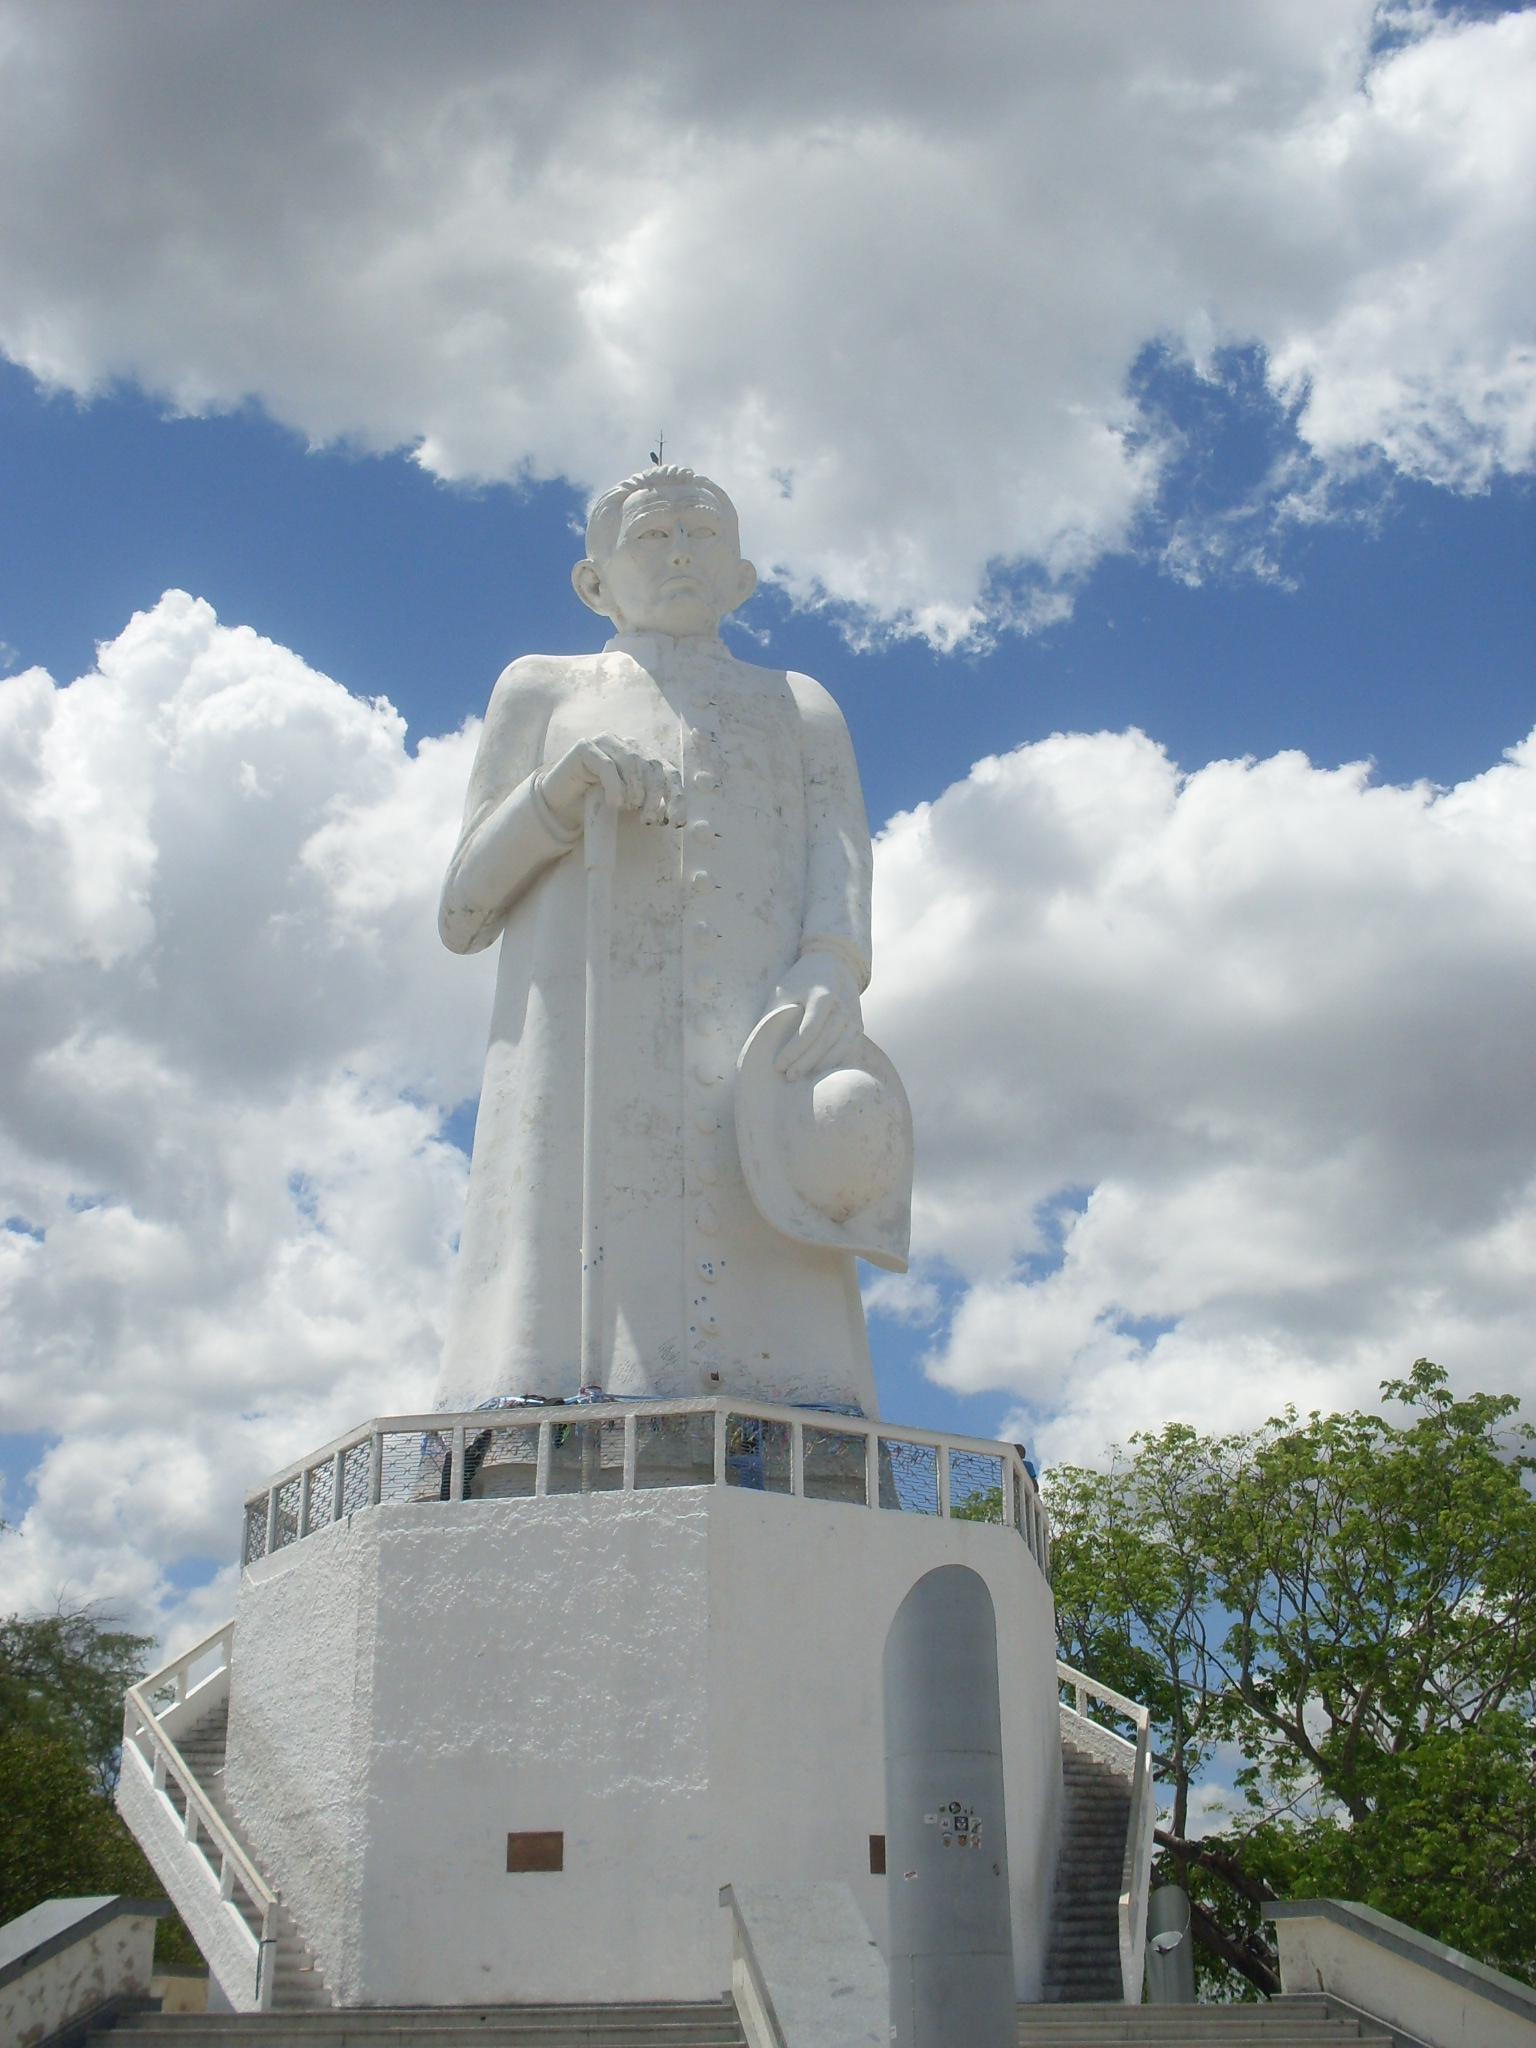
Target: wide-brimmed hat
x=828 y=1159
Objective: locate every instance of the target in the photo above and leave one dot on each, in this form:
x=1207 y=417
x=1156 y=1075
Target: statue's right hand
x=629 y=780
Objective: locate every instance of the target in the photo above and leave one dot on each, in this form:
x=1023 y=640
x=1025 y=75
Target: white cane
x=599 y=842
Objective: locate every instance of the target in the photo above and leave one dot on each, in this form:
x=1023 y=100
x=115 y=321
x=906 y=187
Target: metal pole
x=600 y=840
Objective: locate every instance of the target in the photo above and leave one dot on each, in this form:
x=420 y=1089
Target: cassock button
x=700 y=879
x=705 y=780
x=706 y=1219
x=706 y=1025
x=704 y=933
x=701 y=828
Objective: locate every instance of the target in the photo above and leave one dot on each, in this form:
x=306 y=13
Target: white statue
x=745 y=1140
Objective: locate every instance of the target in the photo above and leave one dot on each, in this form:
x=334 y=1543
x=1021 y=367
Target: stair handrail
x=1136 y=1871
x=140 y=1721
x=178 y=1670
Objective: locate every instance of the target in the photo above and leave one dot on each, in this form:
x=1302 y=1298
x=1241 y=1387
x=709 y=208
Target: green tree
x=1131 y=1577
x=65 y=1674
x=1352 y=1603
x=62 y=1680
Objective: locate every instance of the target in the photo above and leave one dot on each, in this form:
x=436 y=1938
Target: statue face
x=676 y=567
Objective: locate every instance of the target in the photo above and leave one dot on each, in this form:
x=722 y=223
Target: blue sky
x=1078 y=374
x=1404 y=633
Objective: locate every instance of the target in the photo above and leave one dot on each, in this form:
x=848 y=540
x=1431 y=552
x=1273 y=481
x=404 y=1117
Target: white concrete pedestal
x=685 y=1683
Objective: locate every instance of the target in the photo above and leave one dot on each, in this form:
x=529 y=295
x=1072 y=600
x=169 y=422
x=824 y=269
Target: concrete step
x=1275 y=2023
x=712 y=2025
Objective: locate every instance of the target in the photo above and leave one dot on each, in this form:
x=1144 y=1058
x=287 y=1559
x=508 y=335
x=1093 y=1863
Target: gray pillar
x=951 y=1935
x=1170 y=1948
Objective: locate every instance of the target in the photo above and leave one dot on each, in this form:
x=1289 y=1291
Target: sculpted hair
x=607 y=512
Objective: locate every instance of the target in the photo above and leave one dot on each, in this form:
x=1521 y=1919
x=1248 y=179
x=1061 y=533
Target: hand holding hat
x=822 y=1121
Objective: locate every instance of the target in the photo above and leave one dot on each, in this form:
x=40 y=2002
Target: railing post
x=338 y=1484
x=376 y=1468
x=266 y=1958
x=541 y=1469
x=943 y=1478
x=189 y=1818
x=631 y=1442
x=271 y=1519
x=456 y=1452
x=226 y=1878
x=797 y=1459
x=159 y=1770
x=872 y=1468
x=1080 y=1695
x=303 y=1503
x=719 y=1443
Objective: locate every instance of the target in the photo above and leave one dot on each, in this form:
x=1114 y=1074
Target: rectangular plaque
x=541 y=1850
x=877 y=1855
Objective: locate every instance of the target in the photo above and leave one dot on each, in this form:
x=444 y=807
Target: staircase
x=297 y=1985
x=171 y=1792
x=1082 y=1957
x=1282 y=2023
x=714 y=2025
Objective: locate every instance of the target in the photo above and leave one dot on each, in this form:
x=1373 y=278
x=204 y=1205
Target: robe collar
x=667 y=649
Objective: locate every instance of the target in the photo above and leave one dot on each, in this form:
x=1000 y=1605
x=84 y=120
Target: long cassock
x=772 y=859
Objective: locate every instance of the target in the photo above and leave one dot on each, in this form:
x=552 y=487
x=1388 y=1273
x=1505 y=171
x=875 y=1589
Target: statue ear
x=588 y=586
x=746 y=583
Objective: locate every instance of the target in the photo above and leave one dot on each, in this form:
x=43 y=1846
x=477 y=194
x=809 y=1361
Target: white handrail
x=273 y=1523
x=178 y=1670
x=1136 y=1869
x=142 y=1724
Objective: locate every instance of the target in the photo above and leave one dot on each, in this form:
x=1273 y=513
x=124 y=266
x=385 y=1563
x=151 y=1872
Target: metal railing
x=630 y=1446
x=167 y=1695
x=1136 y=1762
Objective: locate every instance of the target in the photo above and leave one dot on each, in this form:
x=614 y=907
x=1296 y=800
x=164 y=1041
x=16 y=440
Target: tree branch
x=1209 y=1857
x=1237 y=1955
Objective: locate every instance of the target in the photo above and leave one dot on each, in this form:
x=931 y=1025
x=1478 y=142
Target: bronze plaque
x=543 y=1850
x=877 y=1855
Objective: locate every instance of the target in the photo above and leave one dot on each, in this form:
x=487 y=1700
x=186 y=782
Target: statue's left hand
x=831 y=1022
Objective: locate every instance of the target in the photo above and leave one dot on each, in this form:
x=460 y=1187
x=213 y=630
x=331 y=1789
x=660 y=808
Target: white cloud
x=230 y=1036
x=1224 y=1083
x=885 y=268
x=1223 y=1086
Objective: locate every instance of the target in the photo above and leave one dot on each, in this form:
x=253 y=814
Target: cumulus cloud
x=1224 y=1084
x=231 y=1039
x=1223 y=1087
x=886 y=269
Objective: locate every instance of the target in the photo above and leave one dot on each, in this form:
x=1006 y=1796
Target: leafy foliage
x=1350 y=1603
x=65 y=1674
x=62 y=1680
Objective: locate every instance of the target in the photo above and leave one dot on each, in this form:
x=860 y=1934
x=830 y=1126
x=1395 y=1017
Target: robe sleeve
x=509 y=834
x=839 y=862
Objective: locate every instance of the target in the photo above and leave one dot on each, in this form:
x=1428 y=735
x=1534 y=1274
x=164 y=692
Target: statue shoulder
x=818 y=707
x=535 y=675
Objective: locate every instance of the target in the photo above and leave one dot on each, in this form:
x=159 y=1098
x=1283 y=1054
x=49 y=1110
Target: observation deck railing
x=631 y=1446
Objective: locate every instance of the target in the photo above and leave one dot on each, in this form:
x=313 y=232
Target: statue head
x=664 y=554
